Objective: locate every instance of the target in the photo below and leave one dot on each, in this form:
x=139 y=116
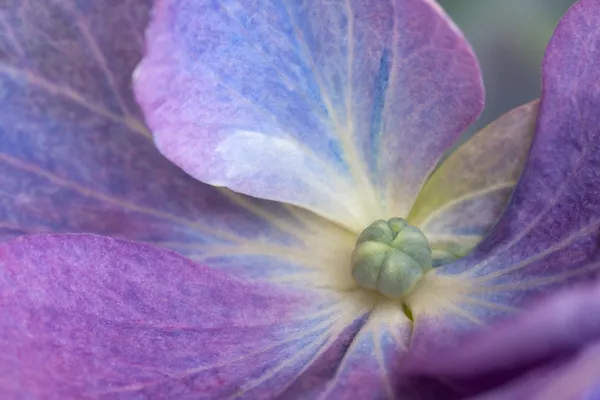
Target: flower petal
x=87 y=316
x=75 y=155
x=568 y=380
x=71 y=137
x=342 y=108
x=369 y=367
x=466 y=195
x=579 y=379
x=561 y=324
x=548 y=237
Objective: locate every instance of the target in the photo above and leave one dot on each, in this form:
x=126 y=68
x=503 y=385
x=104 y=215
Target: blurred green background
x=509 y=38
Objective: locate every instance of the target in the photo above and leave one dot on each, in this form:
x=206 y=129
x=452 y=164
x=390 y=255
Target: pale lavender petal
x=86 y=316
x=465 y=196
x=548 y=237
x=343 y=108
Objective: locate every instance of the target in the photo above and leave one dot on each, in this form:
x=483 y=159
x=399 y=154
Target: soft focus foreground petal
x=578 y=379
x=343 y=108
x=466 y=195
x=558 y=325
x=75 y=155
x=92 y=317
x=548 y=237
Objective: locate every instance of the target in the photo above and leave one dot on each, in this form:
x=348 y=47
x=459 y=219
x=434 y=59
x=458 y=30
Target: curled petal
x=87 y=317
x=466 y=195
x=548 y=237
x=343 y=108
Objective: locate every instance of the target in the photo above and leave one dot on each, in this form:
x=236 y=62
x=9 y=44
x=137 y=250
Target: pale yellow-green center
x=391 y=257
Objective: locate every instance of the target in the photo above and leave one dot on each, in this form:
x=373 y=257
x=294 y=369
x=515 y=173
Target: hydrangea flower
x=324 y=117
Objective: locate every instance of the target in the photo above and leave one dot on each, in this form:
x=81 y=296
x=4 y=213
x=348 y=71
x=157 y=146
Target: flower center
x=391 y=257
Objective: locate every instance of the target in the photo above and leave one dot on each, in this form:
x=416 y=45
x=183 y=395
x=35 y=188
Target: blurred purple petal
x=92 y=317
x=561 y=324
x=342 y=108
x=75 y=155
x=548 y=237
x=551 y=351
x=577 y=379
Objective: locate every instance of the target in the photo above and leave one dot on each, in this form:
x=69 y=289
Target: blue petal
x=343 y=108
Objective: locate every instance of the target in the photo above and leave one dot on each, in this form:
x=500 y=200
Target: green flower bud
x=390 y=257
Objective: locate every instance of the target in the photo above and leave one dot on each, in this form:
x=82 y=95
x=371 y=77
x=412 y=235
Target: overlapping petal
x=549 y=235
x=75 y=155
x=87 y=316
x=575 y=379
x=551 y=351
x=555 y=326
x=343 y=108
x=463 y=199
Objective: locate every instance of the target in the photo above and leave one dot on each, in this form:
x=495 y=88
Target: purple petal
x=559 y=325
x=87 y=317
x=75 y=155
x=548 y=237
x=342 y=108
x=71 y=136
x=576 y=379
